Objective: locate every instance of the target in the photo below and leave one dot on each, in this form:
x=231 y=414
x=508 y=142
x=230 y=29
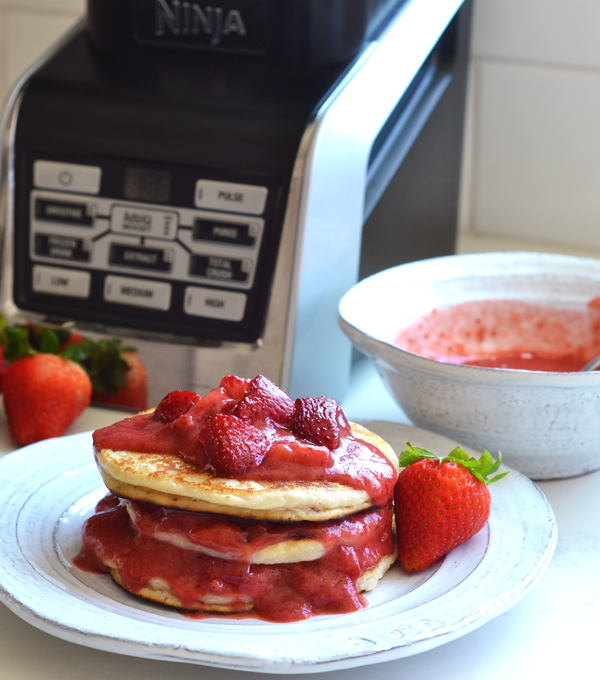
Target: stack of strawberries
x=48 y=376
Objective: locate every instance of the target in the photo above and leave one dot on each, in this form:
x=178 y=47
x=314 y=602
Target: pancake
x=169 y=481
x=258 y=542
x=158 y=590
x=168 y=574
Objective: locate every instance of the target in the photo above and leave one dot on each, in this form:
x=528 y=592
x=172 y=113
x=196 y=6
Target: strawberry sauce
x=241 y=539
x=354 y=463
x=507 y=334
x=279 y=593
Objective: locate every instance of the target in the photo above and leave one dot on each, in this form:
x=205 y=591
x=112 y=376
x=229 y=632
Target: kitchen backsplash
x=533 y=165
x=532 y=149
x=27 y=29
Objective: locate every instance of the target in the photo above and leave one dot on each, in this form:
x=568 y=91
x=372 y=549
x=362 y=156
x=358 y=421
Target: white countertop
x=551 y=632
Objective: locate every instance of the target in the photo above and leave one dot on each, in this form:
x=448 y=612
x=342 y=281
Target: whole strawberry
x=3 y=367
x=440 y=503
x=133 y=394
x=43 y=395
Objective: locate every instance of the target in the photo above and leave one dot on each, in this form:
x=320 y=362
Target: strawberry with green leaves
x=49 y=374
x=440 y=502
x=43 y=395
x=120 y=377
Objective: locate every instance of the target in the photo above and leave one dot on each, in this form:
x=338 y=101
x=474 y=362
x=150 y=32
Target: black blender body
x=167 y=177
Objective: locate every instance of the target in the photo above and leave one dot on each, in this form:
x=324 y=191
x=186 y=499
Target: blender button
x=233 y=198
x=214 y=304
x=137 y=292
x=83 y=179
x=58 y=281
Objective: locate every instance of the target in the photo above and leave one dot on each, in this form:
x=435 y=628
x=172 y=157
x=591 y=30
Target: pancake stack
x=177 y=531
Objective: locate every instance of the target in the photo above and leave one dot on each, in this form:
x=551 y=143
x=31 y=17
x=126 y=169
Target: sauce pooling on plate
x=507 y=334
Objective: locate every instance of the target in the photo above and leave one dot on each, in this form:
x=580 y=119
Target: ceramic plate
x=48 y=489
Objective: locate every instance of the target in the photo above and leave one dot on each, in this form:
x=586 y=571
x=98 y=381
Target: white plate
x=49 y=488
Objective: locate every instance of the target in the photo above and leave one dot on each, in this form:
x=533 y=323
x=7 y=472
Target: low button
x=214 y=304
x=84 y=179
x=235 y=198
x=58 y=281
x=137 y=292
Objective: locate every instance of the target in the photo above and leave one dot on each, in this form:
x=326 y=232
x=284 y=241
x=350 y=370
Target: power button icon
x=71 y=177
x=65 y=178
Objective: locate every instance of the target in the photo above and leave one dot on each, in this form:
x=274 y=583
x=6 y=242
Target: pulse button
x=229 y=197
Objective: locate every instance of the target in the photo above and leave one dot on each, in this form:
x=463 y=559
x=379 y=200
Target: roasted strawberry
x=264 y=399
x=174 y=405
x=232 y=446
x=235 y=387
x=440 y=503
x=320 y=420
x=43 y=395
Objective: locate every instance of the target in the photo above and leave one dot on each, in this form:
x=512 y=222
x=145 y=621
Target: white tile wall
x=27 y=29
x=532 y=163
x=532 y=152
x=537 y=152
x=561 y=32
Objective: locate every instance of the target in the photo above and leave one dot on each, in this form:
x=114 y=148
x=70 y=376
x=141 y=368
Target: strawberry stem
x=480 y=468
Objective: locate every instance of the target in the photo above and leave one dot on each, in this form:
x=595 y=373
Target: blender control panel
x=172 y=250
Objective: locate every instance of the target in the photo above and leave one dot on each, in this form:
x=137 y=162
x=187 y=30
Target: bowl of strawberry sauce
x=487 y=349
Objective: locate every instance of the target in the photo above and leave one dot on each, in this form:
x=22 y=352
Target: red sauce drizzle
x=241 y=539
x=286 y=592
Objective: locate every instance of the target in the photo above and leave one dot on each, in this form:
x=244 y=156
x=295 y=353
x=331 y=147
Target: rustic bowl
x=547 y=425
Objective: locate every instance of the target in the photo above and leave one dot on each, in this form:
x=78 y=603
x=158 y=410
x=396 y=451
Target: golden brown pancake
x=169 y=481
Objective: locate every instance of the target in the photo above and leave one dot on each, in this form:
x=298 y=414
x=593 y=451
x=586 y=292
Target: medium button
x=225 y=232
x=137 y=292
x=57 y=281
x=153 y=259
x=83 y=179
x=62 y=247
x=143 y=222
x=214 y=304
x=236 y=198
x=77 y=214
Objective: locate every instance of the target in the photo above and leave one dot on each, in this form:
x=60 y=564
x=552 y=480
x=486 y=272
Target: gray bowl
x=547 y=425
